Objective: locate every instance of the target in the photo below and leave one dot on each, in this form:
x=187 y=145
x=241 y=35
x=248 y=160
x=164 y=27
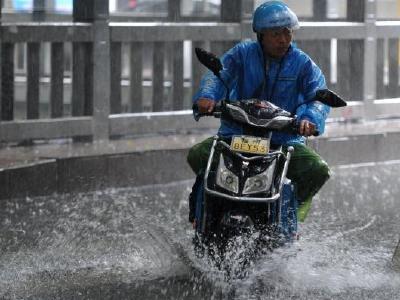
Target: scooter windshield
x=262 y=109
x=258 y=113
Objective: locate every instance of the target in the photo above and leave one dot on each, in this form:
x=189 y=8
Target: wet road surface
x=136 y=244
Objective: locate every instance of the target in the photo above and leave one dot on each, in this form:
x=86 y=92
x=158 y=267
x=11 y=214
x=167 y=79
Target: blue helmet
x=274 y=14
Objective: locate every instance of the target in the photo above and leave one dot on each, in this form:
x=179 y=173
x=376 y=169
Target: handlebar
x=292 y=128
x=215 y=113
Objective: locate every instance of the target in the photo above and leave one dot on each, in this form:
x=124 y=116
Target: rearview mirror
x=329 y=98
x=209 y=60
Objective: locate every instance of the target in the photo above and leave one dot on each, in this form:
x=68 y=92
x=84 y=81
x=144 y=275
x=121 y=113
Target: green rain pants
x=307 y=170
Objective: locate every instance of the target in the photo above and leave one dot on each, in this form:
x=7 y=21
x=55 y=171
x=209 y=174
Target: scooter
x=244 y=188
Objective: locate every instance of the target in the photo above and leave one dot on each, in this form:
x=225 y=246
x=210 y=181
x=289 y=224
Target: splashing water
x=128 y=243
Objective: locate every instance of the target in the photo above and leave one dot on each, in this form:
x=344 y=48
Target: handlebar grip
x=296 y=129
x=216 y=112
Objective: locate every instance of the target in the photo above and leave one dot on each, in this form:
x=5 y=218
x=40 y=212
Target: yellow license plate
x=250 y=144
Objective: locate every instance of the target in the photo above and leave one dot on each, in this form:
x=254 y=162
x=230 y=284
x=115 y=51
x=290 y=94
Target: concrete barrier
x=88 y=173
x=166 y=163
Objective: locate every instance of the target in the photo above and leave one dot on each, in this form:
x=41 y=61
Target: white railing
x=101 y=107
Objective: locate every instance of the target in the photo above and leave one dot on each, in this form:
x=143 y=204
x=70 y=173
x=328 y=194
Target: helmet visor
x=279 y=31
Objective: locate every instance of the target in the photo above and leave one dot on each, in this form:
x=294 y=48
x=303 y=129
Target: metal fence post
x=350 y=55
x=33 y=66
x=393 y=87
x=115 y=77
x=101 y=70
x=57 y=80
x=231 y=12
x=33 y=80
x=81 y=66
x=96 y=72
x=136 y=77
x=7 y=78
x=319 y=50
x=370 y=60
x=175 y=58
x=174 y=13
x=7 y=83
x=1 y=77
x=158 y=76
x=39 y=10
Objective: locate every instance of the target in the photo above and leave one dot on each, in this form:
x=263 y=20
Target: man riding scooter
x=271 y=69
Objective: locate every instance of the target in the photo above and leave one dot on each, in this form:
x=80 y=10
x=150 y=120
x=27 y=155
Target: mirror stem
x=226 y=87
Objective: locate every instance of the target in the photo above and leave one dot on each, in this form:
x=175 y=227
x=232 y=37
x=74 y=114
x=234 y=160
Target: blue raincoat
x=287 y=83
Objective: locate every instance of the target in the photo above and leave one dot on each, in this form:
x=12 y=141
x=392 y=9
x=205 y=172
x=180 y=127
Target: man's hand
x=205 y=105
x=307 y=128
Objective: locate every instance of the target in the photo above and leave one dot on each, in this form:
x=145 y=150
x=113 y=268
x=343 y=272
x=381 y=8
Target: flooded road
x=136 y=244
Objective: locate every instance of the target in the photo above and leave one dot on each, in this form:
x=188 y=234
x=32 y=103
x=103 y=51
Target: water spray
x=396 y=258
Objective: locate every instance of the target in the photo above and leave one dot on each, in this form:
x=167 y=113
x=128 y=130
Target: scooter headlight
x=225 y=178
x=261 y=182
